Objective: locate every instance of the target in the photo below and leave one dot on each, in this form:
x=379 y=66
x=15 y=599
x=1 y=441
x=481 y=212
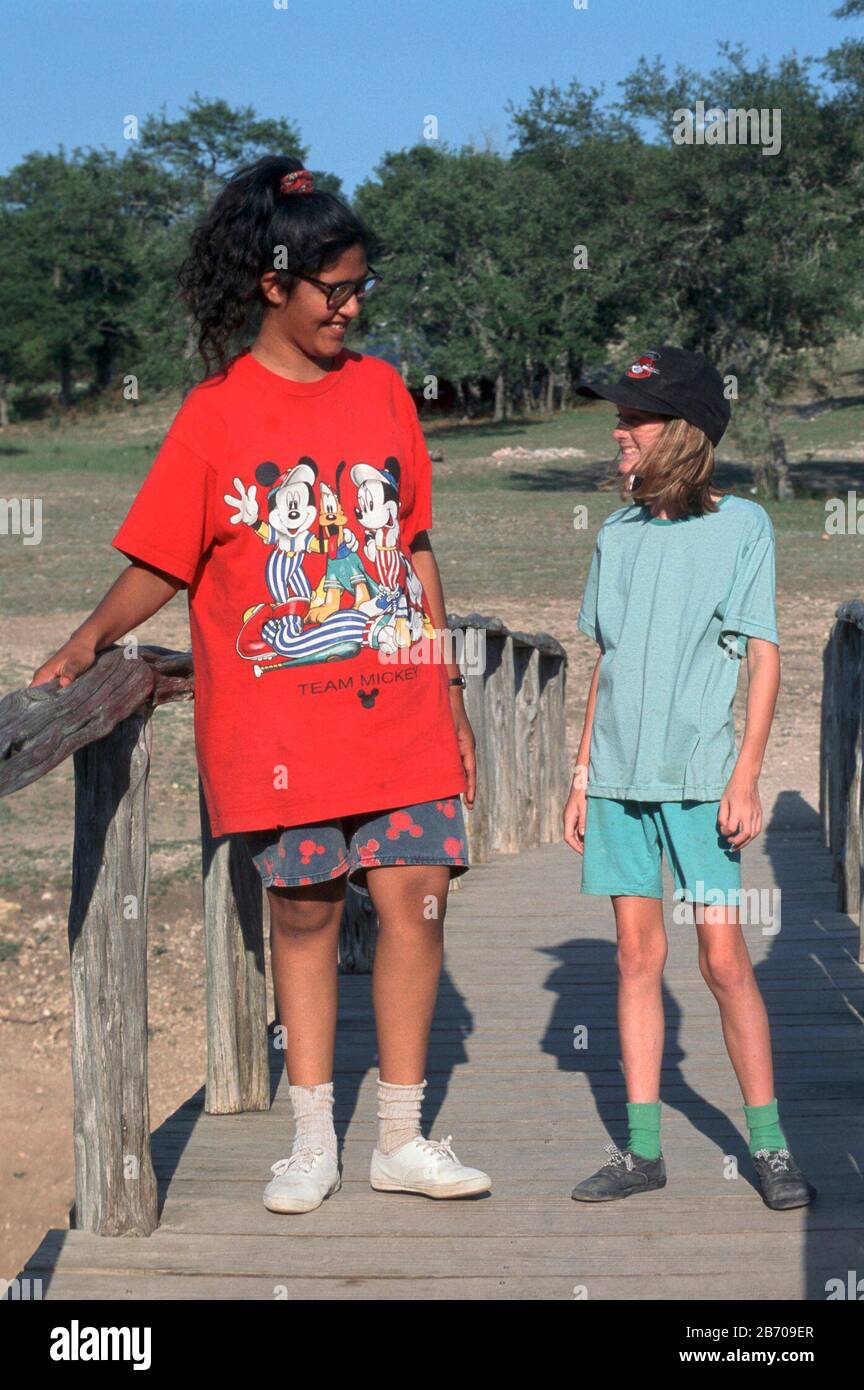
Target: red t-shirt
x=288 y=508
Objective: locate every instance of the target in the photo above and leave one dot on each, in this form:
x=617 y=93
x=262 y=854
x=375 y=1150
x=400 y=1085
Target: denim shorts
x=625 y=841
x=426 y=832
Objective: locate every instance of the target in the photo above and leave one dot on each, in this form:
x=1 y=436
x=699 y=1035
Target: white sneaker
x=426 y=1166
x=302 y=1181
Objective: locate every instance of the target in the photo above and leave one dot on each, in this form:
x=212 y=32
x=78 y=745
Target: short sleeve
x=587 y=619
x=417 y=516
x=171 y=521
x=749 y=609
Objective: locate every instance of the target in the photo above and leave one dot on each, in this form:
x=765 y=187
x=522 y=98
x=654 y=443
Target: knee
x=301 y=917
x=641 y=957
x=725 y=970
x=410 y=898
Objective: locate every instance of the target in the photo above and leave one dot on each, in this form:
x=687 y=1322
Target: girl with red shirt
x=292 y=498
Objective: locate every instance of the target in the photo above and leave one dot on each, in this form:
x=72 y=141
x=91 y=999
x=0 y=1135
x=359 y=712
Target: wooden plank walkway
x=528 y=961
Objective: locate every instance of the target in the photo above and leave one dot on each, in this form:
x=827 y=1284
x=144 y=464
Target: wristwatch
x=458 y=680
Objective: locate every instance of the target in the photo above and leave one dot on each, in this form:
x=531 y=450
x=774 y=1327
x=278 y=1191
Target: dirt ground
x=36 y=1169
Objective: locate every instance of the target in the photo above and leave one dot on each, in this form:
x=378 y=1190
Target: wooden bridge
x=524 y=1073
x=528 y=960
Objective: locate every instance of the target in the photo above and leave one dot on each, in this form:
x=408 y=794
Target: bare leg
x=411 y=901
x=727 y=970
x=304 y=937
x=642 y=950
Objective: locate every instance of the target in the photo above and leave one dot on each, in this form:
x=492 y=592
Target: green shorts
x=625 y=841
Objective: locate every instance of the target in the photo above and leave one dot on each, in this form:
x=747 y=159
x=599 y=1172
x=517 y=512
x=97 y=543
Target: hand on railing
x=137 y=593
x=73 y=658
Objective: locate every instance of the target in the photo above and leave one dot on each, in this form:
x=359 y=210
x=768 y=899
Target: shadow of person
x=582 y=1035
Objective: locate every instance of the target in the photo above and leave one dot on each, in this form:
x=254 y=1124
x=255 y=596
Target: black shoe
x=621 y=1175
x=781 y=1181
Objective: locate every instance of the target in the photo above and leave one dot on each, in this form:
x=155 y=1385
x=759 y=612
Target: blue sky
x=358 y=78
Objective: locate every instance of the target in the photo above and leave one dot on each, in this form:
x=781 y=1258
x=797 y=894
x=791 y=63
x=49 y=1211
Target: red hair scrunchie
x=300 y=181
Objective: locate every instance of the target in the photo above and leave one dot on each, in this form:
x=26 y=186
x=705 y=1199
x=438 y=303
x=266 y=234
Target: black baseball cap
x=671 y=381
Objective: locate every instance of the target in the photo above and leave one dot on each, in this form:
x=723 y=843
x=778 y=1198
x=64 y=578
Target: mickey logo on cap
x=644 y=366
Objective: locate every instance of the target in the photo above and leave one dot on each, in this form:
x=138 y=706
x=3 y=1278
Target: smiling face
x=636 y=432
x=373 y=509
x=293 y=509
x=304 y=321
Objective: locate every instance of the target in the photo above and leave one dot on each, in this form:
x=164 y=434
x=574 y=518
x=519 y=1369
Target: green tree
x=69 y=284
x=753 y=259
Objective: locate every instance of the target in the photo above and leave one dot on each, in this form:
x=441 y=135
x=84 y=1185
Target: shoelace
x=302 y=1161
x=778 y=1159
x=440 y=1146
x=616 y=1156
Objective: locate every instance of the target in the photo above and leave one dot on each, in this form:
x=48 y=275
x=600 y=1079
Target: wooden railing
x=515 y=700
x=840 y=757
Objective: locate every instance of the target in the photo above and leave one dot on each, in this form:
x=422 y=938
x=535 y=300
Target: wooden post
x=526 y=717
x=237 y=1065
x=115 y=1186
x=501 y=741
x=825 y=742
x=859 y=803
x=471 y=634
x=841 y=784
x=554 y=770
x=852 y=839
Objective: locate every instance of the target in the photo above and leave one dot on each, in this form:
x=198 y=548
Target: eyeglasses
x=341 y=292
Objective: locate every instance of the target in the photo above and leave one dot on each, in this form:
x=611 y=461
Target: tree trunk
x=763 y=476
x=103 y=361
x=500 y=399
x=570 y=371
x=780 y=466
x=550 y=390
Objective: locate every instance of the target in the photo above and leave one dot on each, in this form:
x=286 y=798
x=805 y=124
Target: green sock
x=763 y=1122
x=643 y=1117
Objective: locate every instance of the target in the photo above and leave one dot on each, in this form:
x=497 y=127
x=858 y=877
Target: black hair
x=235 y=243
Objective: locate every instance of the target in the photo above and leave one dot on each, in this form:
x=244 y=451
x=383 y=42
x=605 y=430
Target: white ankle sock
x=398 y=1114
x=313 y=1117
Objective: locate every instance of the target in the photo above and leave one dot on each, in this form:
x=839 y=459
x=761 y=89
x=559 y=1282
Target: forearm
x=763 y=669
x=584 y=751
x=135 y=596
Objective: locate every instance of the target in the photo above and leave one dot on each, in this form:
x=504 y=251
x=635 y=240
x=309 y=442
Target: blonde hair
x=675 y=474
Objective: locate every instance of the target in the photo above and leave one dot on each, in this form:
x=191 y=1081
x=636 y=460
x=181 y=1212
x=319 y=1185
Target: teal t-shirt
x=671 y=605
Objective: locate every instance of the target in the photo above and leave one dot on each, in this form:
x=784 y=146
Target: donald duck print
x=328 y=588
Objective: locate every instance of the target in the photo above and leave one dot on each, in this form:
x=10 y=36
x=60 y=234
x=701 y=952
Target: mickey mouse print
x=330 y=586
